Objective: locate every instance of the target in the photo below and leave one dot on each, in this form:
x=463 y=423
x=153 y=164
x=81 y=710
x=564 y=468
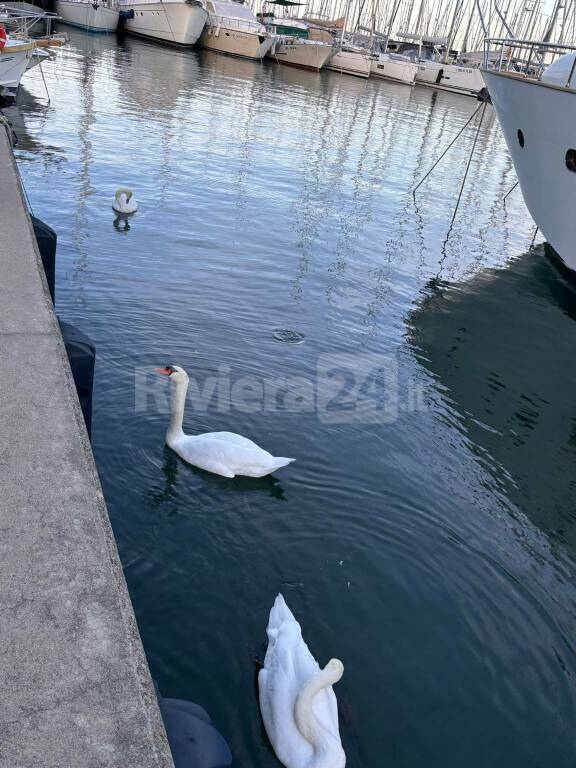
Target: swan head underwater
x=175 y=373
x=124 y=201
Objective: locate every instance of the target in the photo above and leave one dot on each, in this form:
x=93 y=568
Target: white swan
x=297 y=702
x=124 y=201
x=223 y=453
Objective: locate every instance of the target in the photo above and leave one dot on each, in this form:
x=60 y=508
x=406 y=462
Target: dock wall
x=75 y=686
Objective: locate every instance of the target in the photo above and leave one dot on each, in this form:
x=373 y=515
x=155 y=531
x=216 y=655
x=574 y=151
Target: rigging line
x=482 y=22
x=503 y=20
x=44 y=81
x=469 y=162
x=454 y=140
x=512 y=188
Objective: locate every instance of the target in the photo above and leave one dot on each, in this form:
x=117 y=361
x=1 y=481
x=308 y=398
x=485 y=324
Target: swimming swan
x=223 y=453
x=124 y=201
x=298 y=705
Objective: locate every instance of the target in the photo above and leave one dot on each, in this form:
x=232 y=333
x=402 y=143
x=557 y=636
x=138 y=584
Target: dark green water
x=426 y=533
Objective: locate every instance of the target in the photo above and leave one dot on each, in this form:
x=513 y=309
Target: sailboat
x=350 y=59
x=393 y=66
x=438 y=68
x=293 y=42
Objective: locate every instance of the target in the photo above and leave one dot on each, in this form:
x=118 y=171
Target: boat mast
x=450 y=34
x=548 y=33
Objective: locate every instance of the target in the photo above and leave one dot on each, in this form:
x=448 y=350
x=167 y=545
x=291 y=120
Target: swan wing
x=239 y=456
x=231 y=437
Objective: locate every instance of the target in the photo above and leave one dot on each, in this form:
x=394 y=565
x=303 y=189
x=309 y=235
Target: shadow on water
x=502 y=348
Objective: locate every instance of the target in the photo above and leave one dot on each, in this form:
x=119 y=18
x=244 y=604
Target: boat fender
x=47 y=240
x=125 y=15
x=193 y=740
x=81 y=353
x=2 y=36
x=439 y=76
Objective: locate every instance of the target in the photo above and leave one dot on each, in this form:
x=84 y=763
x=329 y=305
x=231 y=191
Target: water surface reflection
x=432 y=552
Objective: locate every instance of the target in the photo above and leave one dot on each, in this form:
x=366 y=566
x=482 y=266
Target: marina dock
x=77 y=689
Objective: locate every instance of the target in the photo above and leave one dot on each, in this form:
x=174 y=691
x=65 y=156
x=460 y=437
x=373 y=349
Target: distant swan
x=298 y=705
x=223 y=453
x=124 y=201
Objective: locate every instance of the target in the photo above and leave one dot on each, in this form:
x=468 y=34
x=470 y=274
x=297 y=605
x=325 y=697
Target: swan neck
x=306 y=721
x=177 y=415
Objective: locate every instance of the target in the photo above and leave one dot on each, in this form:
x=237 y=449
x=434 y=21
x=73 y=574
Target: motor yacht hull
x=302 y=53
x=179 y=23
x=235 y=42
x=92 y=16
x=538 y=121
x=14 y=59
x=350 y=63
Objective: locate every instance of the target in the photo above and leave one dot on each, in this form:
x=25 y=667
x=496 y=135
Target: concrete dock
x=76 y=689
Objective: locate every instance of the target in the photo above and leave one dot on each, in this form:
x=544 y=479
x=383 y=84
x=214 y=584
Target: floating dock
x=76 y=689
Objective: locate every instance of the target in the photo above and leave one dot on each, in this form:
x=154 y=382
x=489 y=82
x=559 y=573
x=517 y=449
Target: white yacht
x=18 y=51
x=536 y=107
x=179 y=22
x=15 y=57
x=392 y=66
x=450 y=77
x=293 y=44
x=232 y=28
x=92 y=15
x=351 y=60
x=306 y=54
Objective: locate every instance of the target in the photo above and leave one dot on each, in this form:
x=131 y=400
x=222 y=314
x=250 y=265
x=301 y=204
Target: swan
x=298 y=705
x=223 y=453
x=124 y=201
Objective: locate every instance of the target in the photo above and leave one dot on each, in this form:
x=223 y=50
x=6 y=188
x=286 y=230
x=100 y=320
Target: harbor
x=342 y=293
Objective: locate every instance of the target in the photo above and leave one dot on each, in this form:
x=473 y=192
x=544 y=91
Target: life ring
x=2 y=36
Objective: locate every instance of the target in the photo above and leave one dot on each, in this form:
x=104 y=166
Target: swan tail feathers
x=281 y=461
x=279 y=614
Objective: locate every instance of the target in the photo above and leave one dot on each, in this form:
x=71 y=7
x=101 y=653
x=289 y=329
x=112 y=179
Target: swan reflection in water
x=172 y=464
x=121 y=223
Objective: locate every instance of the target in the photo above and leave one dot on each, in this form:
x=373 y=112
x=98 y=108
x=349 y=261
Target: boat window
x=571 y=160
x=520 y=138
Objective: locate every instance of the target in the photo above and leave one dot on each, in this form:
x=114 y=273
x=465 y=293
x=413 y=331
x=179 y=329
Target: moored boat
x=90 y=15
x=351 y=60
x=306 y=54
x=391 y=66
x=15 y=56
x=450 y=77
x=536 y=108
x=179 y=22
x=232 y=28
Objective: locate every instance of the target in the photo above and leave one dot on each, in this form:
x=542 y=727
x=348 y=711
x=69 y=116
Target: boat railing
x=527 y=58
x=230 y=22
x=21 y=22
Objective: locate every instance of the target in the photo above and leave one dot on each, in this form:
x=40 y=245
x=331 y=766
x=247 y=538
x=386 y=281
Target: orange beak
x=163 y=371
